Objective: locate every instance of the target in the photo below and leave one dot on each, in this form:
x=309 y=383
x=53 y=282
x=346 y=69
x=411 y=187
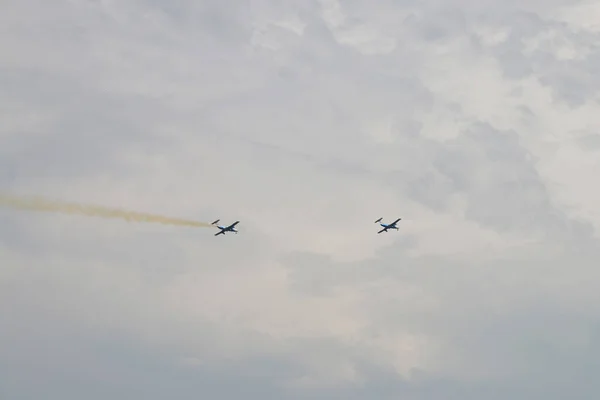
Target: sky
x=473 y=121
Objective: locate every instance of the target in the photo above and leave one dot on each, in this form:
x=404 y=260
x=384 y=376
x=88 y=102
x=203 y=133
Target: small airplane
x=223 y=229
x=388 y=226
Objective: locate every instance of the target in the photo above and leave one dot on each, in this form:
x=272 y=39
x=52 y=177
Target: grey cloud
x=107 y=367
x=497 y=173
x=510 y=320
x=536 y=352
x=169 y=105
x=440 y=23
x=590 y=141
x=492 y=161
x=571 y=81
x=87 y=135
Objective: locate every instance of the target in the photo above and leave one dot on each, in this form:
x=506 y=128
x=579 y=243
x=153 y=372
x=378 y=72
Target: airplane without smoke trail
x=388 y=226
x=223 y=229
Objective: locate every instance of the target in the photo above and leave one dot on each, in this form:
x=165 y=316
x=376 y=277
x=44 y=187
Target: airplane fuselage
x=225 y=229
x=389 y=226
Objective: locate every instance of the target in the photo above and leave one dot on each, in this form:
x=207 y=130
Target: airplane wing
x=212 y=223
x=220 y=233
x=396 y=221
x=383 y=230
x=232 y=225
x=379 y=220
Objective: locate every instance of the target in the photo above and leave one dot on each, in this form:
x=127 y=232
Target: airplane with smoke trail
x=223 y=229
x=388 y=226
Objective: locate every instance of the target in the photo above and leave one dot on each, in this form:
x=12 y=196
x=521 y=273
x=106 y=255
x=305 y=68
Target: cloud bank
x=306 y=120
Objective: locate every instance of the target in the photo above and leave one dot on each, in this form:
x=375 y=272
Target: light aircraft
x=388 y=226
x=223 y=229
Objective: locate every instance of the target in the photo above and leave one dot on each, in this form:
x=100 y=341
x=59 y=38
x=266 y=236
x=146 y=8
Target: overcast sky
x=474 y=121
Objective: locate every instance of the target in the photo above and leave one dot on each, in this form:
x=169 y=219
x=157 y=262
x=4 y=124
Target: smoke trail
x=39 y=204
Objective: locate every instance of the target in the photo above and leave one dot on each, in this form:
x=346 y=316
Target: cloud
x=306 y=121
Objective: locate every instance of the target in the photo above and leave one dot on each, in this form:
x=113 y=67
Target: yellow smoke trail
x=39 y=204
